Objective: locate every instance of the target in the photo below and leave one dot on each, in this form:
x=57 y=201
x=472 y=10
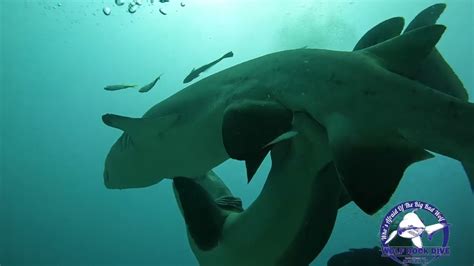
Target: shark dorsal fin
x=429 y=16
x=381 y=32
x=134 y=126
x=404 y=54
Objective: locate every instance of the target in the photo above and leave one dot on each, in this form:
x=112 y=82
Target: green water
x=56 y=58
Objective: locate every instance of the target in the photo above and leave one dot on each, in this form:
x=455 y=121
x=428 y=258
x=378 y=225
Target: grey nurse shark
x=290 y=222
x=380 y=111
x=220 y=232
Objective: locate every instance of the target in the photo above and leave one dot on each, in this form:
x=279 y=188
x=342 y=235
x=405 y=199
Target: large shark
x=220 y=232
x=379 y=114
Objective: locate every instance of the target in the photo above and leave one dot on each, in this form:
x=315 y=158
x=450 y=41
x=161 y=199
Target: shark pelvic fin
x=365 y=157
x=404 y=54
x=204 y=219
x=135 y=126
x=381 y=32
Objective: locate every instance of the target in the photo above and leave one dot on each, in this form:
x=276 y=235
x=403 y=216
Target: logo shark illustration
x=412 y=227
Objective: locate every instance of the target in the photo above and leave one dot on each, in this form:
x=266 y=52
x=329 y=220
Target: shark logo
x=408 y=221
x=412 y=227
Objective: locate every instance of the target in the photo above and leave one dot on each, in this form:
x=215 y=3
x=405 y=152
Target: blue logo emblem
x=414 y=232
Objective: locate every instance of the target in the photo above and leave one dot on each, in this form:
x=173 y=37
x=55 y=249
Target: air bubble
x=107 y=10
x=132 y=8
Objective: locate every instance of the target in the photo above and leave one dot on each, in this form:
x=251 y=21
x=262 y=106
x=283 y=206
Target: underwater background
x=56 y=58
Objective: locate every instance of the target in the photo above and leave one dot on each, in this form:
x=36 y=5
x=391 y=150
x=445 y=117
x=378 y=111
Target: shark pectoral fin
x=250 y=128
x=392 y=235
x=253 y=161
x=469 y=169
x=370 y=164
x=417 y=242
x=135 y=126
x=204 y=219
x=404 y=54
x=381 y=32
x=285 y=136
x=428 y=16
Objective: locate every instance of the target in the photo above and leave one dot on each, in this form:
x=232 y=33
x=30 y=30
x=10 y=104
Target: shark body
x=378 y=118
x=362 y=100
x=264 y=233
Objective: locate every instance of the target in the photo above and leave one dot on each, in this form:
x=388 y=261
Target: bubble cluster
x=134 y=5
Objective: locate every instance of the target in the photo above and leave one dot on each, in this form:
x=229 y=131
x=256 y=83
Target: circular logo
x=414 y=232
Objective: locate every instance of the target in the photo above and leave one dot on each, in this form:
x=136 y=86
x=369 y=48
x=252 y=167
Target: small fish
x=150 y=85
x=183 y=4
x=118 y=87
x=162 y=12
x=195 y=72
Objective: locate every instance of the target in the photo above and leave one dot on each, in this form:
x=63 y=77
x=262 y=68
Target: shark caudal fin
x=203 y=216
x=251 y=128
